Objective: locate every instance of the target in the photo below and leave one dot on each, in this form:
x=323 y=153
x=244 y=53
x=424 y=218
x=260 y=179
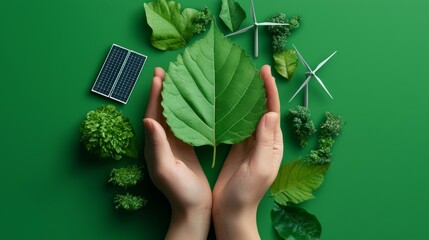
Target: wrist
x=193 y=224
x=235 y=224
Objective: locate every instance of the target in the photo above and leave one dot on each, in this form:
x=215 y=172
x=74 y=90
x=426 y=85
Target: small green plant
x=106 y=133
x=126 y=176
x=201 y=19
x=302 y=124
x=172 y=27
x=129 y=202
x=329 y=129
x=282 y=32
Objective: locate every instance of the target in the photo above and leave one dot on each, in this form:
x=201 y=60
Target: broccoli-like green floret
x=281 y=33
x=126 y=176
x=201 y=19
x=294 y=22
x=108 y=134
x=129 y=202
x=322 y=154
x=330 y=128
x=302 y=124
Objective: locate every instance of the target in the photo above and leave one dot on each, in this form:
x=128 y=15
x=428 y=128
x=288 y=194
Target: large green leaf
x=286 y=62
x=171 y=29
x=213 y=93
x=294 y=223
x=232 y=14
x=296 y=182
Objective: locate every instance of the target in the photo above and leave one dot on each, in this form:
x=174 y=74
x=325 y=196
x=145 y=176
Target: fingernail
x=146 y=122
x=270 y=121
x=148 y=126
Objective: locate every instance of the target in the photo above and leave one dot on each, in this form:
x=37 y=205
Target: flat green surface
x=51 y=52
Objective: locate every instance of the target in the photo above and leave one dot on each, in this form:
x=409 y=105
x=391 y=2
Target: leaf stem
x=214 y=156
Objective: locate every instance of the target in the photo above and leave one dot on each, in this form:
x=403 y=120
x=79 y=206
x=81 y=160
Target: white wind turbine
x=310 y=74
x=255 y=25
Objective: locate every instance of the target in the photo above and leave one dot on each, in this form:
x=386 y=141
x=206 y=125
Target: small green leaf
x=171 y=28
x=294 y=223
x=232 y=14
x=213 y=93
x=286 y=62
x=296 y=182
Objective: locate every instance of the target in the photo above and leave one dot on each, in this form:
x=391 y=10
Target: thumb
x=265 y=137
x=157 y=148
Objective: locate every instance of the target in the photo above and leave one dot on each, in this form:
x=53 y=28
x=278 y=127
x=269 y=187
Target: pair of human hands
x=247 y=173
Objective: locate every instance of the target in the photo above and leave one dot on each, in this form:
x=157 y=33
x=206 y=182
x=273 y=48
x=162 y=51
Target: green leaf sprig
x=126 y=176
x=106 y=133
x=330 y=128
x=301 y=123
x=282 y=32
x=171 y=27
x=201 y=19
x=129 y=202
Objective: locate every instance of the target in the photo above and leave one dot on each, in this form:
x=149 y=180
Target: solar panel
x=119 y=73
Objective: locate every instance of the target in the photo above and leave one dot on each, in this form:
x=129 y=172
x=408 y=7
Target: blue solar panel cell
x=110 y=70
x=128 y=78
x=119 y=73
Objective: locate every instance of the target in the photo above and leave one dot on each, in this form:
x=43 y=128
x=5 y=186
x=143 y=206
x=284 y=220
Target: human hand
x=248 y=171
x=174 y=168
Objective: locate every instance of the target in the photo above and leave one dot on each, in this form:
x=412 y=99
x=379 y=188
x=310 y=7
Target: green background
x=51 y=52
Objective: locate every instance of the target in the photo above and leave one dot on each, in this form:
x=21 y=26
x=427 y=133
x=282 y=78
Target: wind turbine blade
x=272 y=24
x=302 y=86
x=324 y=61
x=240 y=31
x=253 y=12
x=323 y=85
x=302 y=59
x=256 y=47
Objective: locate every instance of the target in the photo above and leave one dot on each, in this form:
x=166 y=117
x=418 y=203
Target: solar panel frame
x=111 y=93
